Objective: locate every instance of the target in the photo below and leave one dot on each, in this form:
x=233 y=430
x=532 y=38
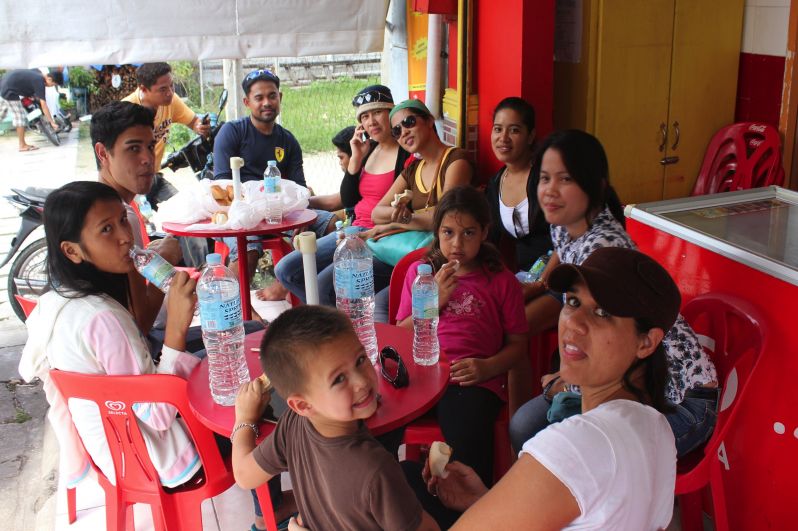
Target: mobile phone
x=365 y=137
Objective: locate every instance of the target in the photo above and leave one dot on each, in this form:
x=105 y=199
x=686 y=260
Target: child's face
x=562 y=199
x=342 y=383
x=343 y=158
x=105 y=240
x=460 y=237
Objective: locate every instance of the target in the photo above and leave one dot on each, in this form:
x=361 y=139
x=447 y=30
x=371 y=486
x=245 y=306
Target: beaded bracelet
x=244 y=425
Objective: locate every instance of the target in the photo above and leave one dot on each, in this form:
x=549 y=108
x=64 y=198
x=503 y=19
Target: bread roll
x=267 y=384
x=220 y=195
x=404 y=197
x=220 y=218
x=230 y=193
x=439 y=455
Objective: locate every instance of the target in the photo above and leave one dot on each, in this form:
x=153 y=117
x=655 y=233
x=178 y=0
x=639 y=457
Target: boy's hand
x=251 y=400
x=468 y=371
x=447 y=281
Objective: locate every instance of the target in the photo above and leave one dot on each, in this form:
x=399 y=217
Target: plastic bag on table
x=192 y=204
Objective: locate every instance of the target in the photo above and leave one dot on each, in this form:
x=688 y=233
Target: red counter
x=745 y=244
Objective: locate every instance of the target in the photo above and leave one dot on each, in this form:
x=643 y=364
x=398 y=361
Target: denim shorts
x=693 y=420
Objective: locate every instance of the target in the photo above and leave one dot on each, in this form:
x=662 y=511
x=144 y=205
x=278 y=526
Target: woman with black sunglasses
x=436 y=169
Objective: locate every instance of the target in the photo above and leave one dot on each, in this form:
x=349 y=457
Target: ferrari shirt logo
x=279 y=153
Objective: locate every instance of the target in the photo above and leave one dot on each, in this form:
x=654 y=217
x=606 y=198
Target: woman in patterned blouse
x=574 y=192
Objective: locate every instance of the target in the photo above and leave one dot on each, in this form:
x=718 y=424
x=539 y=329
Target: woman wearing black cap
x=614 y=465
x=375 y=162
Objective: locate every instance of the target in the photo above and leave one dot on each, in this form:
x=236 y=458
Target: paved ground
x=28 y=455
x=28 y=449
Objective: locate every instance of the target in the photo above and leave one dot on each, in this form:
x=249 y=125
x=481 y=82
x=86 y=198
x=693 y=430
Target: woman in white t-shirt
x=614 y=465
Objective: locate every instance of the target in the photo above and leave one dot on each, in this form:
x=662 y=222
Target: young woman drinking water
x=84 y=324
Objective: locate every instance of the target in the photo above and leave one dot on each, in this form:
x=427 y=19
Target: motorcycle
x=28 y=275
x=198 y=152
x=36 y=121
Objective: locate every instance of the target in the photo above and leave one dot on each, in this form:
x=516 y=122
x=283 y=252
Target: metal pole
x=202 y=86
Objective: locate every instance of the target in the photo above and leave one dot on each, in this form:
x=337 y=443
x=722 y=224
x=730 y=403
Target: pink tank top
x=373 y=187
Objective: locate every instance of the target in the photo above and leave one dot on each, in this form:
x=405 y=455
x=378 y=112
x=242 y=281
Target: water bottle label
x=425 y=305
x=351 y=283
x=271 y=185
x=157 y=270
x=220 y=315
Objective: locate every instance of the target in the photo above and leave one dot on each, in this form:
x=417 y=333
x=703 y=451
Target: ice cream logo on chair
x=279 y=153
x=115 y=407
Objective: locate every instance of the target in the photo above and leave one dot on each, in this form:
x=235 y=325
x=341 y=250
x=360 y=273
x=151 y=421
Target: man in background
x=156 y=91
x=30 y=84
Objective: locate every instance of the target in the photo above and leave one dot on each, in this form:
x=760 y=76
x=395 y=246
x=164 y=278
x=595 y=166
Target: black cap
x=626 y=283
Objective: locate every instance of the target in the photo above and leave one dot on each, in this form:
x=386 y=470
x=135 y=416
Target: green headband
x=410 y=104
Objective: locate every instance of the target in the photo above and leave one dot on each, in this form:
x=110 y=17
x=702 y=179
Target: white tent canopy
x=81 y=32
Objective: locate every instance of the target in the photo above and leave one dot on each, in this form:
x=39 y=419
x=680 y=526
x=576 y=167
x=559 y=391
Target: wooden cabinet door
x=633 y=78
x=703 y=88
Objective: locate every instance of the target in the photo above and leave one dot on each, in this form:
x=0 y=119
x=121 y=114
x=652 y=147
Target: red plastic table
x=291 y=220
x=397 y=406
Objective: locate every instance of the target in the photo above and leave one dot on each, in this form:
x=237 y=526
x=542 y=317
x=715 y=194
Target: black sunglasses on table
x=408 y=123
x=399 y=378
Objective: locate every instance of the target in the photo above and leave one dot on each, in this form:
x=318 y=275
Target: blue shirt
x=240 y=138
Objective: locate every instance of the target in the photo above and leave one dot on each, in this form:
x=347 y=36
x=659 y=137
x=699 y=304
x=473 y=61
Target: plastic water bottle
x=271 y=185
x=146 y=212
x=153 y=267
x=426 y=349
x=222 y=330
x=534 y=273
x=354 y=288
x=339 y=230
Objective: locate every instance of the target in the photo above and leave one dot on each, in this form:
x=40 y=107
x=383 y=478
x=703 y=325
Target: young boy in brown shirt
x=342 y=477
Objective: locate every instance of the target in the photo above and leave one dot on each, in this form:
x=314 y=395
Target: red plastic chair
x=136 y=478
x=734 y=334
x=739 y=157
x=398 y=281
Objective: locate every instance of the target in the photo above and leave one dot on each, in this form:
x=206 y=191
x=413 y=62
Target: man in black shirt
x=25 y=83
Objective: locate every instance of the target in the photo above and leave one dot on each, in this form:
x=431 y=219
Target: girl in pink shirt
x=481 y=328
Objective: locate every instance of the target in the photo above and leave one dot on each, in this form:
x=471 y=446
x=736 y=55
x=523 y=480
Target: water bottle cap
x=272 y=163
x=351 y=230
x=213 y=259
x=424 y=269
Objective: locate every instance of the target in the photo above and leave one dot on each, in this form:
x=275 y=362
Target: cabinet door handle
x=663 y=130
x=678 y=135
x=669 y=160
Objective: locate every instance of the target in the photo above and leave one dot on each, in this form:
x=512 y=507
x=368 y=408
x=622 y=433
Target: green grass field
x=314 y=113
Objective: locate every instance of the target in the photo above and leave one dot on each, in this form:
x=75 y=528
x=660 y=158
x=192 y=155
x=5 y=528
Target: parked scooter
x=198 y=152
x=27 y=277
x=36 y=120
